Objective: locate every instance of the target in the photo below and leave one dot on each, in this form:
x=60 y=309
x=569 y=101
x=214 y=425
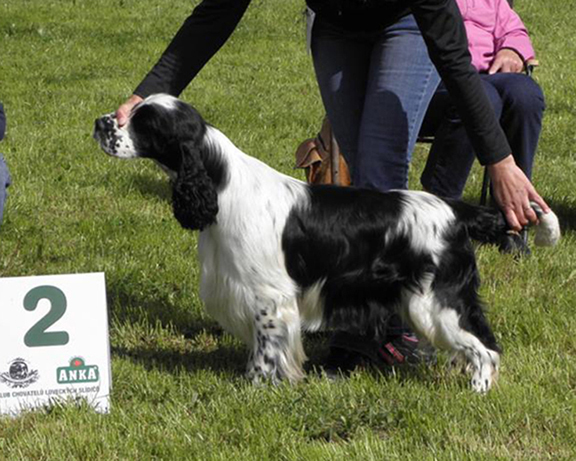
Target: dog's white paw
x=481 y=384
x=261 y=373
x=486 y=373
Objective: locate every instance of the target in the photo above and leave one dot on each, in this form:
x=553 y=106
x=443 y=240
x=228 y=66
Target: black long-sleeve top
x=213 y=21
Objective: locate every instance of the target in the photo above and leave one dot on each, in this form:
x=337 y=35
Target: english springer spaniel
x=279 y=256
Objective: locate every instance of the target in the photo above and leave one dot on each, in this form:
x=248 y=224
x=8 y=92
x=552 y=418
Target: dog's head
x=173 y=134
x=156 y=128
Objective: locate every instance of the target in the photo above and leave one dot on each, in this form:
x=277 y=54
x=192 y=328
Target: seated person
x=4 y=174
x=500 y=48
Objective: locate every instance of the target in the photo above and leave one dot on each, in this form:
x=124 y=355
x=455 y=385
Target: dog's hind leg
x=442 y=327
x=277 y=351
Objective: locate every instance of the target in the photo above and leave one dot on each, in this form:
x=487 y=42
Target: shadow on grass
x=153 y=186
x=173 y=349
x=566 y=214
x=223 y=359
x=162 y=313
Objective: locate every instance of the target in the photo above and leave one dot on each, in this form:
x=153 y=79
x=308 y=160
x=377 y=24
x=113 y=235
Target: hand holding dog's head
x=172 y=133
x=156 y=129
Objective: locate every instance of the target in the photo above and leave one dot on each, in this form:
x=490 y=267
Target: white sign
x=54 y=341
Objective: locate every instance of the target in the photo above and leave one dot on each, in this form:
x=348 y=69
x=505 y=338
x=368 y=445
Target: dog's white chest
x=235 y=285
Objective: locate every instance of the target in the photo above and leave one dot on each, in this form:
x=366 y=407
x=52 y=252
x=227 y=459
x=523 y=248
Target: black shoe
x=405 y=349
x=349 y=352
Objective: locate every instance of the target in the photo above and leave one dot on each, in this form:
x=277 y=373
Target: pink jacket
x=492 y=25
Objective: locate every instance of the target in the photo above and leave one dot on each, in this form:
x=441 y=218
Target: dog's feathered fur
x=278 y=255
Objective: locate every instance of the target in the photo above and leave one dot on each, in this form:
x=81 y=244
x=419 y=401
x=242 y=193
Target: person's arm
x=443 y=30
x=199 y=38
x=512 y=45
x=510 y=32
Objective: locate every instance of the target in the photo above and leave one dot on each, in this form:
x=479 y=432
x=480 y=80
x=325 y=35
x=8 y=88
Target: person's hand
x=507 y=60
x=123 y=112
x=513 y=193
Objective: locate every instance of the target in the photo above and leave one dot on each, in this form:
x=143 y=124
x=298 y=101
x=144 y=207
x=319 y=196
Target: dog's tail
x=488 y=225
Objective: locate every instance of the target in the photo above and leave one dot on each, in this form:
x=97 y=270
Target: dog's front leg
x=277 y=351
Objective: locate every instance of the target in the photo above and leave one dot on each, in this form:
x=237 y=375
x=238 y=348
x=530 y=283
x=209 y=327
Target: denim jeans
x=4 y=183
x=375 y=87
x=518 y=103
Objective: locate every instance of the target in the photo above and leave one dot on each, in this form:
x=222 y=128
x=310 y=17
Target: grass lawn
x=178 y=390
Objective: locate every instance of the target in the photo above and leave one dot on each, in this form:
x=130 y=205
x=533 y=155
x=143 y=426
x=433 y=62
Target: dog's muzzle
x=103 y=127
x=113 y=140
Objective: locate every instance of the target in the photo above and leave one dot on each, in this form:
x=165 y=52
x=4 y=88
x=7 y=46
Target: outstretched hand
x=123 y=112
x=513 y=193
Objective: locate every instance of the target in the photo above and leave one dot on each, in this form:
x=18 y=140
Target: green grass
x=178 y=386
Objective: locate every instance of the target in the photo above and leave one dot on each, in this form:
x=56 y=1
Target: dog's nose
x=99 y=125
x=102 y=127
x=105 y=123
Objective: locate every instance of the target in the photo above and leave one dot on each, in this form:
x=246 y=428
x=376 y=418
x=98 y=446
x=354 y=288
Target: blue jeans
x=375 y=87
x=4 y=183
x=518 y=103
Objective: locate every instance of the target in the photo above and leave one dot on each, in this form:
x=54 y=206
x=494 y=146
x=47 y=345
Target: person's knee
x=525 y=96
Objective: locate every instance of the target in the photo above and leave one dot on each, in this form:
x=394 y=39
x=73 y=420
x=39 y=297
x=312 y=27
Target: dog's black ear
x=194 y=197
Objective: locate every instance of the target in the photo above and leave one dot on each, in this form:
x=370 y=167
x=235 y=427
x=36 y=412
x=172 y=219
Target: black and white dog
x=279 y=256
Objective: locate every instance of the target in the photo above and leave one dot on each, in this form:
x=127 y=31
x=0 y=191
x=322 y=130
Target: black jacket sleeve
x=200 y=37
x=443 y=30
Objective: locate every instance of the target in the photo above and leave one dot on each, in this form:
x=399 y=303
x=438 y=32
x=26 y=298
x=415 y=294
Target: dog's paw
x=481 y=384
x=261 y=375
x=486 y=374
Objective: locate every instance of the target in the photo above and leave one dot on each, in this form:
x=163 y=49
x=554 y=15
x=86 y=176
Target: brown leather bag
x=322 y=159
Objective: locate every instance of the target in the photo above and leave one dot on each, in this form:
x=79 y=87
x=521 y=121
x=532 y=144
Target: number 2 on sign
x=37 y=336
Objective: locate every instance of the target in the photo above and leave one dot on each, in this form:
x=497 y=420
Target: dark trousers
x=518 y=103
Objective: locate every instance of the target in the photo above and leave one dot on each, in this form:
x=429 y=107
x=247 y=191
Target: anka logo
x=77 y=372
x=19 y=374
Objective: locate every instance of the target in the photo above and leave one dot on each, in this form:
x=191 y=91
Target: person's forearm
x=200 y=37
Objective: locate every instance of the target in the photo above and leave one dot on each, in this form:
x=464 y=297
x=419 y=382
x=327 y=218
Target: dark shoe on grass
x=349 y=352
